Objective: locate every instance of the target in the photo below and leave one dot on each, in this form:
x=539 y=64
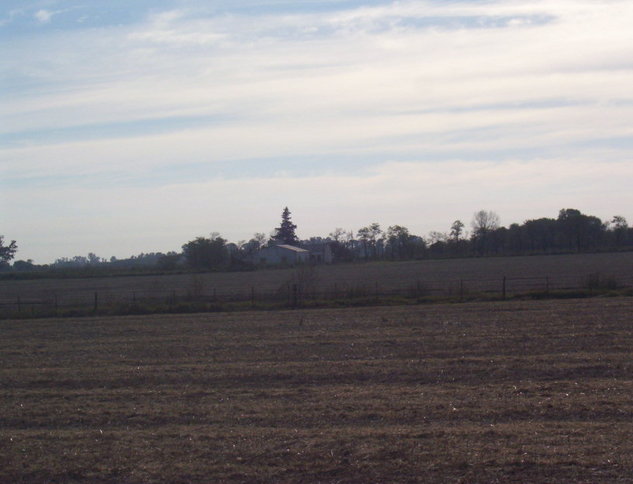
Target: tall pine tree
x=285 y=233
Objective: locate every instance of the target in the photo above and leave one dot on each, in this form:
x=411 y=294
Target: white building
x=282 y=254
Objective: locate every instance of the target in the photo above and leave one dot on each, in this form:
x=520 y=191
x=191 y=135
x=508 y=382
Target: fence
x=302 y=293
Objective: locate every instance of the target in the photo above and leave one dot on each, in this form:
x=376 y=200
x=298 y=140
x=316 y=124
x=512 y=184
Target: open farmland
x=441 y=278
x=518 y=391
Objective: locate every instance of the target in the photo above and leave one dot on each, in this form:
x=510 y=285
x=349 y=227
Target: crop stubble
x=515 y=391
x=478 y=274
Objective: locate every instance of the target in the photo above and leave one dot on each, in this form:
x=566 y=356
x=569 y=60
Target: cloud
x=10 y=16
x=44 y=16
x=174 y=28
x=198 y=64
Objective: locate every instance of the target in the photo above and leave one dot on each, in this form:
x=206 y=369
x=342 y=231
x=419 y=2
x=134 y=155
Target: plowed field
x=488 y=392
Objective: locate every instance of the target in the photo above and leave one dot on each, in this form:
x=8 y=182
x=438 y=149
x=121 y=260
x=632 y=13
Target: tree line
x=572 y=231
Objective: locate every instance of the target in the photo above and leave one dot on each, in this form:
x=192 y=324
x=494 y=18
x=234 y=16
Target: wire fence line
x=298 y=293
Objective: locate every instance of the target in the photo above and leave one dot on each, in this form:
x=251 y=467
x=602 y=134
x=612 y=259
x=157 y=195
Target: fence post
x=171 y=300
x=295 y=296
x=503 y=288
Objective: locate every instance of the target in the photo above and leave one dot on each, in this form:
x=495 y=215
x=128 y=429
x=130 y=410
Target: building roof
x=291 y=247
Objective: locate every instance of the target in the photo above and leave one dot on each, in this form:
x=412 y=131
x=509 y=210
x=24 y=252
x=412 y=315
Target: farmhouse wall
x=282 y=254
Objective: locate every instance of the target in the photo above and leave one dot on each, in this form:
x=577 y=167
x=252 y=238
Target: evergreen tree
x=285 y=233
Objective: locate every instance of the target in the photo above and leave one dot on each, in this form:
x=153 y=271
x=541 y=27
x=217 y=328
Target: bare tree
x=337 y=234
x=260 y=239
x=620 y=229
x=7 y=252
x=484 y=222
x=369 y=237
x=435 y=236
x=619 y=222
x=456 y=230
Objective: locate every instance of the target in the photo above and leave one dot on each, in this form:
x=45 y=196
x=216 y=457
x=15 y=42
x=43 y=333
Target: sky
x=129 y=127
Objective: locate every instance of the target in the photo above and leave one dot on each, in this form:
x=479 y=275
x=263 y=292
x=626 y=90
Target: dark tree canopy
x=285 y=233
x=579 y=231
x=398 y=239
x=571 y=231
x=206 y=253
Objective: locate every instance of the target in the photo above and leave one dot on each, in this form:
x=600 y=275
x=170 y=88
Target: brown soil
x=489 y=392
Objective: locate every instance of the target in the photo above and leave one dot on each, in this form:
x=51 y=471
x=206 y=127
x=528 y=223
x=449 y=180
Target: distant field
x=522 y=391
x=434 y=277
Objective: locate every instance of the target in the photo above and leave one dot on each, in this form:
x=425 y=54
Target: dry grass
x=440 y=277
x=494 y=392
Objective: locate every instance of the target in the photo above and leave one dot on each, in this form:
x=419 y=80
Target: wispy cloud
x=10 y=15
